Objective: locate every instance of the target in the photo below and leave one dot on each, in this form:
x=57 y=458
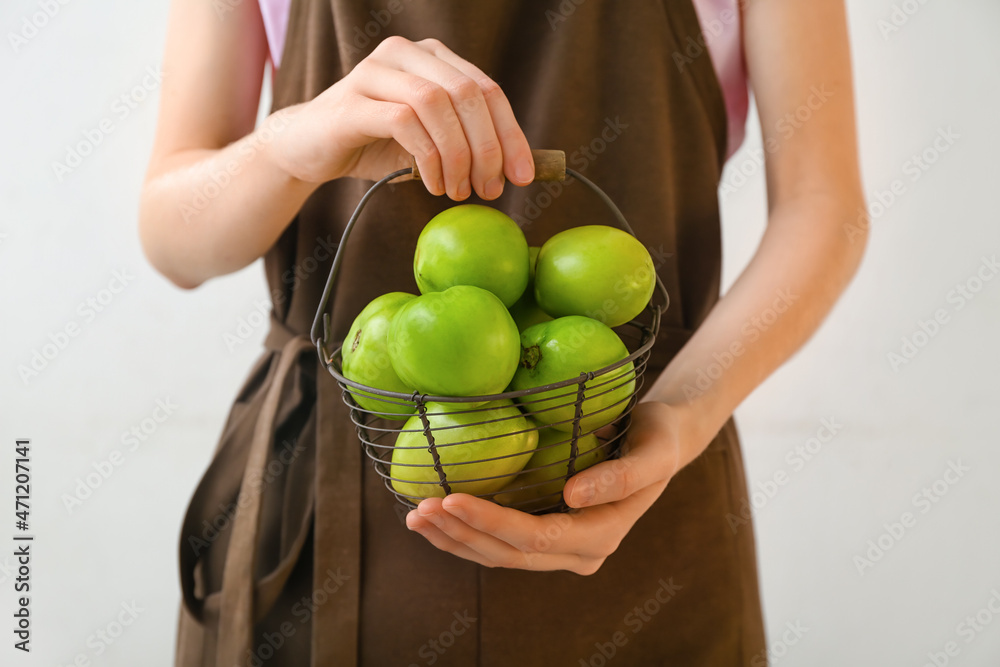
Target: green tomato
x=366 y=356
x=510 y=440
x=561 y=350
x=597 y=271
x=526 y=311
x=540 y=484
x=459 y=342
x=475 y=245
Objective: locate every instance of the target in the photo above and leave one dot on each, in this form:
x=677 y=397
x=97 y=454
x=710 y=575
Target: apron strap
x=227 y=493
x=337 y=517
x=237 y=602
x=328 y=507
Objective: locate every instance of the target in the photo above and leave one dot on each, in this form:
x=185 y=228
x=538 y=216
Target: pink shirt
x=720 y=22
x=722 y=25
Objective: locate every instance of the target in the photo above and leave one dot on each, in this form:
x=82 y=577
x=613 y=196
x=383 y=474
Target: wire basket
x=587 y=416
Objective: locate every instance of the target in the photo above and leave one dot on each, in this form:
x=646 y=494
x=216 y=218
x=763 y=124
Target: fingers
x=453 y=535
x=650 y=456
x=491 y=551
x=592 y=534
x=477 y=151
x=517 y=162
x=484 y=533
x=465 y=113
x=551 y=533
x=451 y=158
x=435 y=536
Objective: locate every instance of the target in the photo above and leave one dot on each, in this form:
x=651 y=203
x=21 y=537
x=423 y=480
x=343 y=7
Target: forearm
x=206 y=213
x=803 y=264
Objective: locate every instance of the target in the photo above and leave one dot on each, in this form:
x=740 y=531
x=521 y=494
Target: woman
x=292 y=550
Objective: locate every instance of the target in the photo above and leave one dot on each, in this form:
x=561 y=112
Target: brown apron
x=292 y=551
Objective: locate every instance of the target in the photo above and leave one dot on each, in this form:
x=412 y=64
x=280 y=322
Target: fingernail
x=583 y=493
x=493 y=187
x=432 y=517
x=456 y=512
x=464 y=190
x=525 y=170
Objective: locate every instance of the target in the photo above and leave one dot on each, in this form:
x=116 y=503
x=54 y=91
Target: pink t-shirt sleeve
x=722 y=26
x=275 y=15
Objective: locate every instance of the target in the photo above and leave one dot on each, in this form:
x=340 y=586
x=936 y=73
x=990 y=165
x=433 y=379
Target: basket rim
x=650 y=332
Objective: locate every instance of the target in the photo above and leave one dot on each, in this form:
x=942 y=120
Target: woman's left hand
x=607 y=499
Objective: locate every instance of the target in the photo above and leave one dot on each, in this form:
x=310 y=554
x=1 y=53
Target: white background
x=62 y=240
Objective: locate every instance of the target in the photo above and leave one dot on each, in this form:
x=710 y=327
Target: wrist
x=694 y=427
x=700 y=410
x=272 y=138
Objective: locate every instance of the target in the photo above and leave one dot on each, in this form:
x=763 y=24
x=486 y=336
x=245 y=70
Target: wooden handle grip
x=550 y=165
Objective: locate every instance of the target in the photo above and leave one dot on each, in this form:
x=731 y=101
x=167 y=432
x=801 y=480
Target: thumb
x=650 y=454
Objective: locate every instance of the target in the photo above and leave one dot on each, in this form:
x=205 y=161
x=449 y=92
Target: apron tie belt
x=331 y=509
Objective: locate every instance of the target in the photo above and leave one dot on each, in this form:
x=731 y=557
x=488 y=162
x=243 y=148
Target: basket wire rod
x=431 y=446
x=574 y=446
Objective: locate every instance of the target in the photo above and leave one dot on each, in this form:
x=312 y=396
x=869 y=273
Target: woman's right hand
x=218 y=193
x=407 y=98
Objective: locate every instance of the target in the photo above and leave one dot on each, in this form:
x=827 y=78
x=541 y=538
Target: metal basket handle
x=550 y=165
